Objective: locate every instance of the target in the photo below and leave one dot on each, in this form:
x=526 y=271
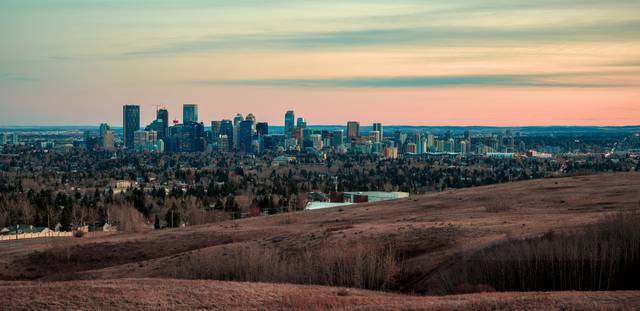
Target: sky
x=455 y=62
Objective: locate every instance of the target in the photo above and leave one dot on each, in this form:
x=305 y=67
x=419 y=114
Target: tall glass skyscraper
x=353 y=129
x=189 y=113
x=378 y=127
x=130 y=123
x=163 y=115
x=245 y=134
x=289 y=123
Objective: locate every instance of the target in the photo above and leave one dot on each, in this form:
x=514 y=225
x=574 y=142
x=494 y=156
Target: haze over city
x=402 y=62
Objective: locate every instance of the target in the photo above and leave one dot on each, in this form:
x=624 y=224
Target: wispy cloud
x=19 y=77
x=401 y=37
x=558 y=80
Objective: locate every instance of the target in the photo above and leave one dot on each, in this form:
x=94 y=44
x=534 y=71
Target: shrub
x=603 y=256
x=362 y=265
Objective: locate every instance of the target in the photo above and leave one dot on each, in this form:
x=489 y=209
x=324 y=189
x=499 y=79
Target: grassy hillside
x=171 y=294
x=405 y=245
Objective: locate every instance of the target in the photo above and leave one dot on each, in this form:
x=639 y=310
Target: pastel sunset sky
x=455 y=62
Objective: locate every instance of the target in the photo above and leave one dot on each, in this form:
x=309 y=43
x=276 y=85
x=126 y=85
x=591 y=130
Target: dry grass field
x=137 y=294
x=429 y=234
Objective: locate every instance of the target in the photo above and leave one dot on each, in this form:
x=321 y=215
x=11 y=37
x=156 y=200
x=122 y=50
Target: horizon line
x=342 y=125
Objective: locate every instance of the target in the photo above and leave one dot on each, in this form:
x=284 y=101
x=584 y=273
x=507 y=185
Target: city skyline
x=490 y=63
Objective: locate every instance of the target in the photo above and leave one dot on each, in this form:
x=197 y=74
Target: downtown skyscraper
x=130 y=123
x=289 y=123
x=189 y=113
x=378 y=127
x=353 y=130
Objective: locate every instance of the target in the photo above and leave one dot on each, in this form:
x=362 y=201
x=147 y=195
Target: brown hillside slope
x=430 y=230
x=169 y=294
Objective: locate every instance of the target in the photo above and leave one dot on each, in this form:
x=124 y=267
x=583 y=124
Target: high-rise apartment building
x=130 y=124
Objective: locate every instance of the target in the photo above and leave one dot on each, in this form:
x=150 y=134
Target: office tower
x=353 y=130
x=262 y=128
x=215 y=129
x=374 y=136
x=103 y=128
x=191 y=137
x=163 y=116
x=423 y=147
x=316 y=141
x=161 y=124
x=237 y=119
x=226 y=129
x=147 y=141
x=401 y=137
x=130 y=124
x=289 y=119
x=189 y=113
x=108 y=140
x=252 y=118
x=13 y=139
x=301 y=123
x=223 y=143
x=245 y=135
x=450 y=145
x=378 y=127
x=412 y=148
x=3 y=139
x=430 y=141
x=464 y=147
x=337 y=139
x=144 y=140
x=417 y=136
x=298 y=134
x=236 y=124
x=500 y=142
x=467 y=135
x=391 y=152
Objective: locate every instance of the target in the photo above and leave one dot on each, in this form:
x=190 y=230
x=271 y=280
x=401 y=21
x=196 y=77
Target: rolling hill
x=428 y=234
